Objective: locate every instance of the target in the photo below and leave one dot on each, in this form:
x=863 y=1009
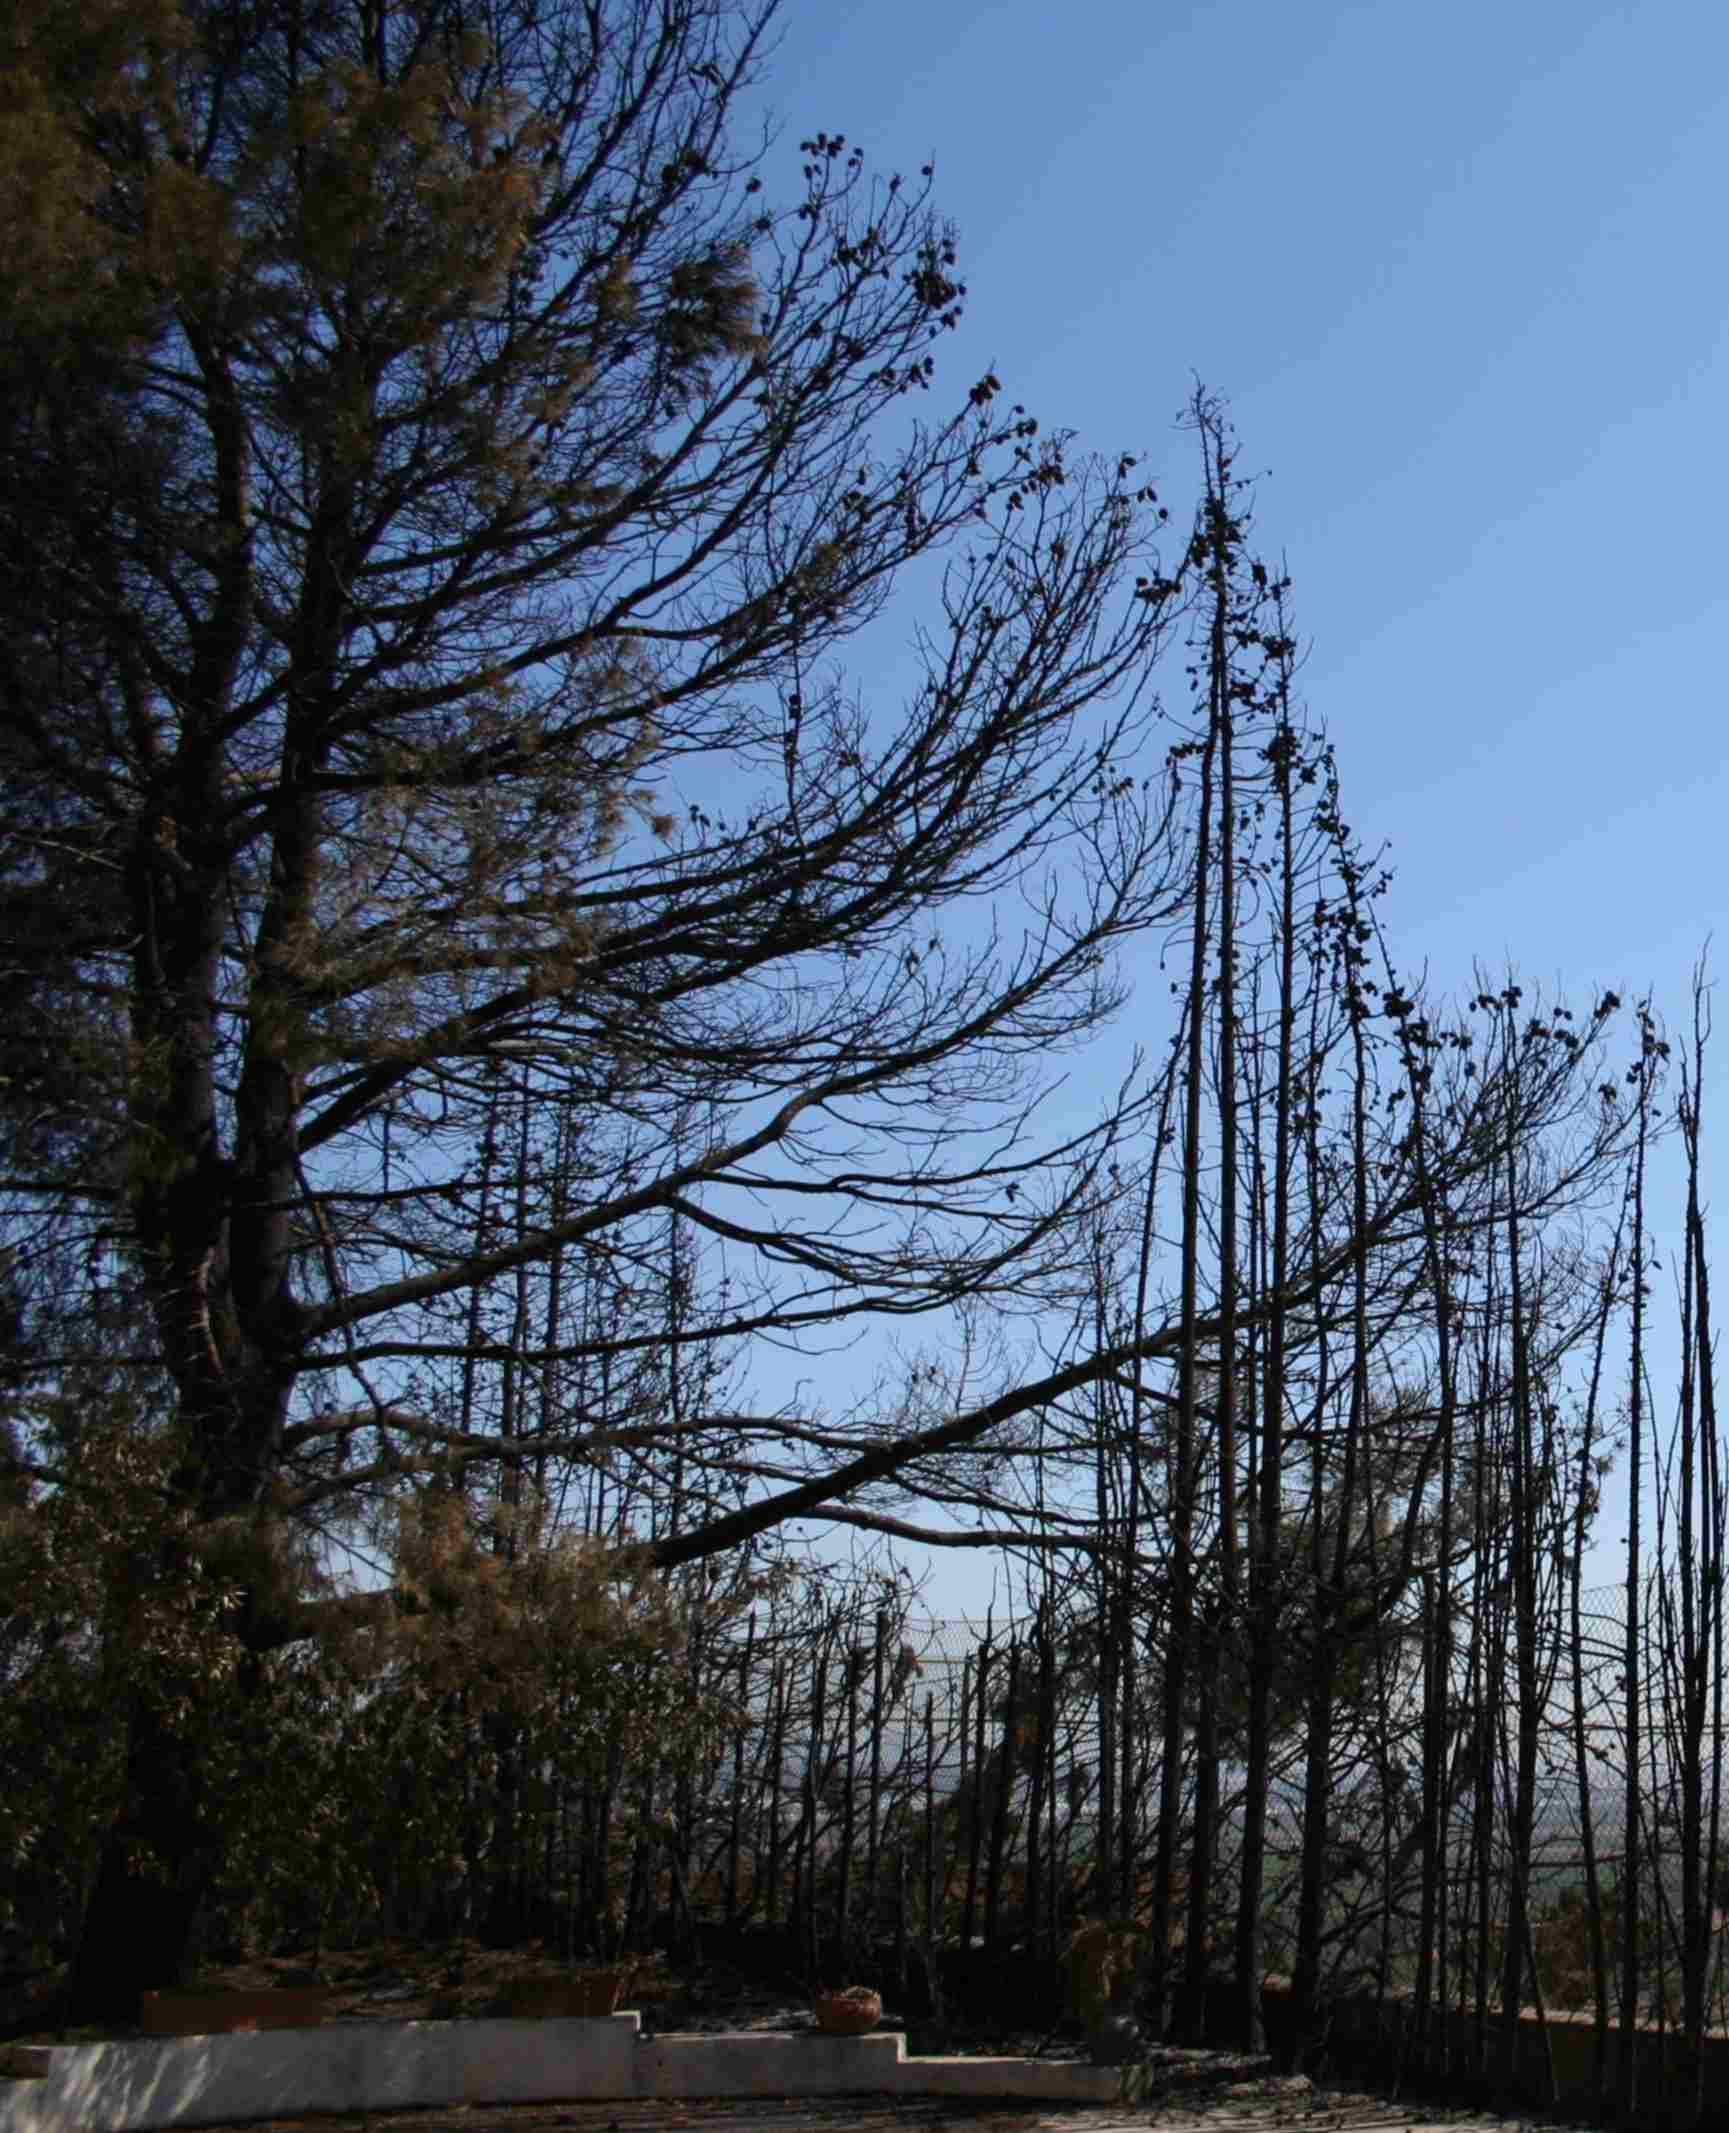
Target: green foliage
x=104 y=1594
x=383 y=1747
x=573 y=1640
x=69 y=76
x=465 y=466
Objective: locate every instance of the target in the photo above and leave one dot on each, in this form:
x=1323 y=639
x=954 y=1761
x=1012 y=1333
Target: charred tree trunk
x=1626 y=2072
x=1182 y=1465
x=1266 y=1578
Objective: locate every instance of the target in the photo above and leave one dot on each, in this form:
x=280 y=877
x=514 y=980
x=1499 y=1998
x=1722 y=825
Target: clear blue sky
x=1460 y=273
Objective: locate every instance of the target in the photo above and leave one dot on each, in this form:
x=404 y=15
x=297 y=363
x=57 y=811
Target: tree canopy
x=424 y=679
x=485 y=942
x=445 y=488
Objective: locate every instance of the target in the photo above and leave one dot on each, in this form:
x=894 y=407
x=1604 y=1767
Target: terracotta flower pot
x=848 y=2013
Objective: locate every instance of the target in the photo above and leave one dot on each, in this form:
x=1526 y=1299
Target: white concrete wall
x=133 y=2087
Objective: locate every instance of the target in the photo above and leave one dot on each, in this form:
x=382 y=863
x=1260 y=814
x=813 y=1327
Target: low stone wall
x=136 y=2086
x=1568 y=2042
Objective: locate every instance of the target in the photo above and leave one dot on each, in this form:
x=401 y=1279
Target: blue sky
x=1460 y=273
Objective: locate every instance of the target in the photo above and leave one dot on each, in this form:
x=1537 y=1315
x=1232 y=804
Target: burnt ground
x=1196 y=2091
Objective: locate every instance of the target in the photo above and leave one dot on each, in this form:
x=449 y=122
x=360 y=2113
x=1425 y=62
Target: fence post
x=1004 y=1793
x=873 y=1826
x=932 y=1911
x=775 y=1773
x=735 y=1824
x=854 y=1665
x=976 y=1805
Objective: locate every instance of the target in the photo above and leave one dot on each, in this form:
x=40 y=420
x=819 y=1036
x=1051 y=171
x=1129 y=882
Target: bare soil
x=397 y=1981
x=393 y=1981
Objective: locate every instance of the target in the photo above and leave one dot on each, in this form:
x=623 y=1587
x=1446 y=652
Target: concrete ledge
x=404 y=2066
x=1037 y=2080
x=522 y=2061
x=750 y=2064
x=185 y=2081
x=137 y=2086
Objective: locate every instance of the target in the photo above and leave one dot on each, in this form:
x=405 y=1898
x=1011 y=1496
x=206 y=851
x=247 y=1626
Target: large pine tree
x=438 y=481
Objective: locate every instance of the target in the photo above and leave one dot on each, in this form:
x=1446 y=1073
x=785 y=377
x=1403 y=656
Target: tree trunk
x=1266 y=1580
x=1626 y=2076
x=139 y=1926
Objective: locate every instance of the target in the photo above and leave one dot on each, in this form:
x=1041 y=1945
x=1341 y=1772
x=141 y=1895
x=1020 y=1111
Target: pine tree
x=438 y=489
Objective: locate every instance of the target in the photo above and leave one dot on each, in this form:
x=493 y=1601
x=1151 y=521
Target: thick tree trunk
x=158 y=1863
x=212 y=1234
x=506 y=1921
x=164 y=1852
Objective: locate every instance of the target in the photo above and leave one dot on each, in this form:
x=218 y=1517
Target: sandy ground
x=1230 y=2107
